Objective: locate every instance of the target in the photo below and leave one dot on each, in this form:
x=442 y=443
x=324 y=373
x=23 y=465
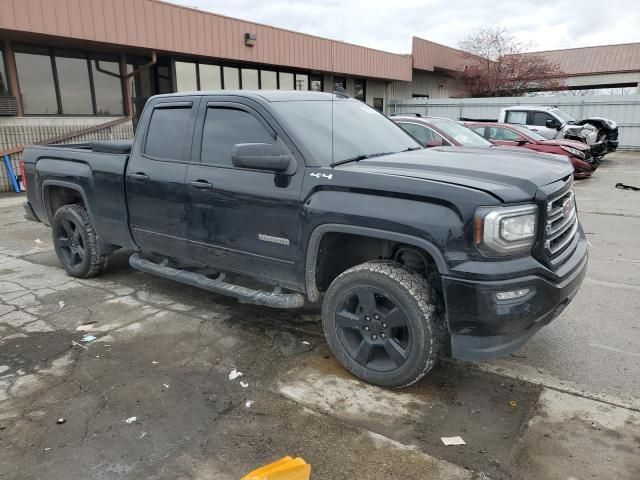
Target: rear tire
x=380 y=320
x=76 y=242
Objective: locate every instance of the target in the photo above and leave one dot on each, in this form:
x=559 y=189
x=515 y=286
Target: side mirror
x=263 y=156
x=520 y=140
x=550 y=123
x=437 y=142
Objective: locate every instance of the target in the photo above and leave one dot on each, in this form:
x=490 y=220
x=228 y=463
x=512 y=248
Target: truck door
x=242 y=220
x=543 y=123
x=156 y=192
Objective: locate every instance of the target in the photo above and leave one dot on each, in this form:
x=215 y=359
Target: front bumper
x=483 y=328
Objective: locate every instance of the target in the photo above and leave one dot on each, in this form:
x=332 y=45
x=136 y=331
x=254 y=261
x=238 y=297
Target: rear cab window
x=169 y=131
x=516 y=116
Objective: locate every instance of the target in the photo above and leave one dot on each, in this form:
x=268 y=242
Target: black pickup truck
x=281 y=197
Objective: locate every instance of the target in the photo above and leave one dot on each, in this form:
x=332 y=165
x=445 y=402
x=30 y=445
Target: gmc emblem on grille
x=567 y=207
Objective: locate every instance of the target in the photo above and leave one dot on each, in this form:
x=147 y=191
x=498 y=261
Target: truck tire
x=76 y=242
x=381 y=322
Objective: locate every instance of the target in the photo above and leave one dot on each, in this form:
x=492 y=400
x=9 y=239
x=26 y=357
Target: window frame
x=526 y=117
x=88 y=56
x=5 y=70
x=539 y=112
x=505 y=129
x=186 y=153
x=445 y=142
x=364 y=89
x=229 y=105
x=342 y=80
x=315 y=78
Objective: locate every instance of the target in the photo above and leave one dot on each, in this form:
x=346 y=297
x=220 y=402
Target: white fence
x=624 y=109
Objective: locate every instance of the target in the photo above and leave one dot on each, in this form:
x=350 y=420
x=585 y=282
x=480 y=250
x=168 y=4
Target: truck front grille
x=561 y=223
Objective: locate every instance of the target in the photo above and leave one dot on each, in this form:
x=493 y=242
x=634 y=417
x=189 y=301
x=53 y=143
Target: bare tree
x=499 y=66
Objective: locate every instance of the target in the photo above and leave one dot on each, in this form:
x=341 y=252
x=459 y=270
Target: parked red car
x=436 y=132
x=517 y=136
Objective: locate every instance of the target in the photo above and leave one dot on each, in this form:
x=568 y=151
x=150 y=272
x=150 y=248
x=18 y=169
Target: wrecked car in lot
x=601 y=134
x=505 y=134
x=414 y=252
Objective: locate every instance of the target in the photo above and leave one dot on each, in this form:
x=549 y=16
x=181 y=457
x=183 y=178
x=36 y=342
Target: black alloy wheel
x=381 y=322
x=69 y=239
x=373 y=329
x=76 y=242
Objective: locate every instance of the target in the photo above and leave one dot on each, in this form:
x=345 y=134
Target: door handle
x=140 y=176
x=201 y=184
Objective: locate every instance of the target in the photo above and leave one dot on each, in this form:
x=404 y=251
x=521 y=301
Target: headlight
x=573 y=151
x=506 y=230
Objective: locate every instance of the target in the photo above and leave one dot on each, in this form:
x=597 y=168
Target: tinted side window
x=226 y=127
x=540 y=119
x=516 y=117
x=422 y=134
x=478 y=130
x=505 y=134
x=167 y=134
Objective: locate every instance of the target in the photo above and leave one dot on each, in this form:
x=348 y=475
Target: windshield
x=564 y=116
x=528 y=133
x=358 y=130
x=463 y=135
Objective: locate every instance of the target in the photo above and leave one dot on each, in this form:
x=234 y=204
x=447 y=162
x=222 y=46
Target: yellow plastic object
x=286 y=468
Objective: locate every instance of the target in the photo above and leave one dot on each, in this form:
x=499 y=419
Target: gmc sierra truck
x=279 y=197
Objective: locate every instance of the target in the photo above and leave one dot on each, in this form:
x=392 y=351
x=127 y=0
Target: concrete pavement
x=151 y=396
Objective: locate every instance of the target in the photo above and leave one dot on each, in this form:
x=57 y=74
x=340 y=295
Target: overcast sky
x=390 y=24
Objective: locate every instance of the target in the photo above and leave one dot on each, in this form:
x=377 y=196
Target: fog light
x=512 y=294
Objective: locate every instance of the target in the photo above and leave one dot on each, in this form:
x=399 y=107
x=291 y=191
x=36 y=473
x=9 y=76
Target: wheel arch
x=47 y=200
x=319 y=233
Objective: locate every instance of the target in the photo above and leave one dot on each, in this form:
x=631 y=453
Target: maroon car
x=517 y=136
x=436 y=132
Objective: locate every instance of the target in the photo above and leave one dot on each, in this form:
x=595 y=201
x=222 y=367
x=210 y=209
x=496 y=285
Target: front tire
x=76 y=242
x=380 y=320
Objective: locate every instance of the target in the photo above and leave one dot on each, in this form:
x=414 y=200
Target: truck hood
x=512 y=176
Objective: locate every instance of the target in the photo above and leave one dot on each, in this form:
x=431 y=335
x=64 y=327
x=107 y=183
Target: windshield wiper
x=357 y=158
x=411 y=149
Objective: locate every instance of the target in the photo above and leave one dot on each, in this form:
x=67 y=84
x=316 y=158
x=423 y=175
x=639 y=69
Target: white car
x=601 y=134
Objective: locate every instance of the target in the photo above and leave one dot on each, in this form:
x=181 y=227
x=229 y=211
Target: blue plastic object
x=12 y=175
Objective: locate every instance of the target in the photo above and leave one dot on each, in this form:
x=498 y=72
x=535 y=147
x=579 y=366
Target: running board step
x=275 y=299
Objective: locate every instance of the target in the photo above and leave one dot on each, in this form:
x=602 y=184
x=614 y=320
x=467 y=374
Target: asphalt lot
x=152 y=397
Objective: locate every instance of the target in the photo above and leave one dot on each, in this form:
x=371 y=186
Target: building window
x=186 y=76
x=378 y=104
x=249 y=79
x=231 y=78
x=339 y=82
x=210 y=77
x=359 y=91
x=107 y=85
x=4 y=84
x=316 y=83
x=268 y=80
x=286 y=81
x=61 y=82
x=74 y=83
x=302 y=82
x=35 y=76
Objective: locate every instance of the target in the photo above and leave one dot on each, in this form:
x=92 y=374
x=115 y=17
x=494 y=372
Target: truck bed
x=95 y=170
